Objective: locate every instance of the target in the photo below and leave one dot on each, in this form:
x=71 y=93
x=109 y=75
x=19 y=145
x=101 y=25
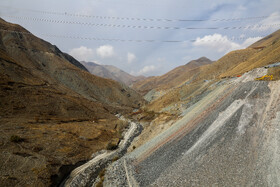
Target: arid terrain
x=53 y=113
x=226 y=132
x=112 y=72
x=201 y=124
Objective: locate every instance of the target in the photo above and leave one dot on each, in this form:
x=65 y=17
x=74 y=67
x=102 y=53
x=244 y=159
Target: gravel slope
x=228 y=138
x=86 y=174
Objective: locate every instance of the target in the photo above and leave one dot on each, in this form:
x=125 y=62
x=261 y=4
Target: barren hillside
x=47 y=98
x=233 y=64
x=112 y=72
x=226 y=132
x=170 y=79
x=228 y=137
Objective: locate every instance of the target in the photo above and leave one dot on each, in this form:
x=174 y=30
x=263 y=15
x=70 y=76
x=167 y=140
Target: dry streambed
x=87 y=174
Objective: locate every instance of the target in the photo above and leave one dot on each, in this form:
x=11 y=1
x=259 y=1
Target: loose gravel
x=87 y=174
x=228 y=138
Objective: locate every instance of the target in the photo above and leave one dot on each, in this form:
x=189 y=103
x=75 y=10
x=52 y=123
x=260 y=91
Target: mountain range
x=171 y=78
x=219 y=126
x=48 y=98
x=111 y=72
x=203 y=118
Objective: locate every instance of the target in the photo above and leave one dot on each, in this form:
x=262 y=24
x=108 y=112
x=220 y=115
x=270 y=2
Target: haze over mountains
x=111 y=72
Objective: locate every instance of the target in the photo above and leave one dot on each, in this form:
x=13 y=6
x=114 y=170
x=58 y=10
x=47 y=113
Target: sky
x=144 y=37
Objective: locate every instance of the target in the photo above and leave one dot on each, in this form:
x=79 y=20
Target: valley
x=54 y=114
x=203 y=123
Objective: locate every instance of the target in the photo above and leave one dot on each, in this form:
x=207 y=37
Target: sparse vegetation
x=149 y=115
x=111 y=146
x=16 y=139
x=275 y=72
x=101 y=176
x=115 y=158
x=120 y=126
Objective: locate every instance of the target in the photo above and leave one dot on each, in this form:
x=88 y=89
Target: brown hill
x=267 y=54
x=231 y=65
x=112 y=72
x=53 y=113
x=170 y=79
x=261 y=53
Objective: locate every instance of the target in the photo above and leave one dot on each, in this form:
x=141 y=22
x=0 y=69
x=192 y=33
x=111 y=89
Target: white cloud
x=220 y=43
x=272 y=19
x=144 y=71
x=105 y=51
x=147 y=69
x=161 y=59
x=82 y=53
x=130 y=57
x=242 y=36
x=249 y=41
x=217 y=42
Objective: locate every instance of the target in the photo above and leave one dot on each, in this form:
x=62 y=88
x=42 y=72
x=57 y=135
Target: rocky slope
x=112 y=72
x=226 y=132
x=232 y=64
x=261 y=53
x=53 y=113
x=172 y=78
x=228 y=137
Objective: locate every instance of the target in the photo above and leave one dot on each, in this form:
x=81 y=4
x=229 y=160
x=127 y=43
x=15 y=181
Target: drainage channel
x=86 y=174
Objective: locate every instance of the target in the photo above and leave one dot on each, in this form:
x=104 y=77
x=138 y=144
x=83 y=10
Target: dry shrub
x=275 y=72
x=16 y=139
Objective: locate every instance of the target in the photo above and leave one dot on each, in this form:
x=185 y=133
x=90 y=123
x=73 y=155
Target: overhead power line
x=129 y=40
x=140 y=26
x=137 y=18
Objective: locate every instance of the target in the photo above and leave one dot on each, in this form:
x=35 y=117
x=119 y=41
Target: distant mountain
x=227 y=124
x=111 y=72
x=235 y=63
x=171 y=78
x=53 y=113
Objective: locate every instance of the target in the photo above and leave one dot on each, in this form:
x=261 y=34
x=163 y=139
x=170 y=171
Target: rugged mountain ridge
x=171 y=78
x=227 y=127
x=112 y=72
x=231 y=65
x=47 y=98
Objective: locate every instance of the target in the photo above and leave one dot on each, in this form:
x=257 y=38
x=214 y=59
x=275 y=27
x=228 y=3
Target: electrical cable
x=129 y=40
x=137 y=18
x=140 y=26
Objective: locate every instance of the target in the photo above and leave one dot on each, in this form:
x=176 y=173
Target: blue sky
x=146 y=58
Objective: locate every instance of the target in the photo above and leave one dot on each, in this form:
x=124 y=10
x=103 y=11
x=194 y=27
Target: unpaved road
x=229 y=138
